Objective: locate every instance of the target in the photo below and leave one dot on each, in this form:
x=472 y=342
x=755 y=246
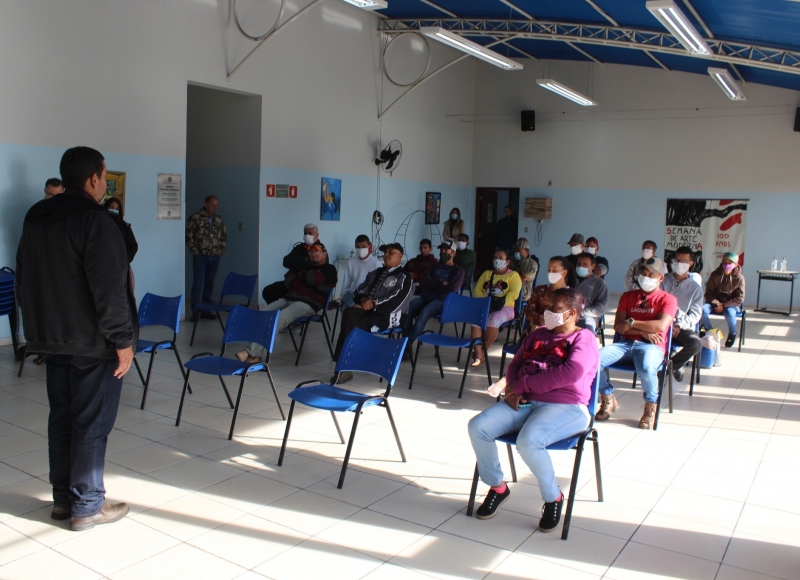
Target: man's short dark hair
x=54 y=182
x=424 y=241
x=362 y=238
x=650 y=243
x=465 y=236
x=79 y=164
x=509 y=207
x=685 y=250
x=210 y=197
x=587 y=255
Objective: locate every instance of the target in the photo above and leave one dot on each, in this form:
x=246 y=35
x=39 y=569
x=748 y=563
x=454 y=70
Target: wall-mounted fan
x=389 y=157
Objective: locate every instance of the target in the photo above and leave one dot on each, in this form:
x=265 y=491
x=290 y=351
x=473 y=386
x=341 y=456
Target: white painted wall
x=654 y=136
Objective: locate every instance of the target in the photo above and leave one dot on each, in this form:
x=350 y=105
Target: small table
x=780 y=276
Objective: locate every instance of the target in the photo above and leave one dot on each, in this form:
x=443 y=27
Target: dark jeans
x=84 y=397
x=204 y=270
x=420 y=311
x=691 y=344
x=358 y=318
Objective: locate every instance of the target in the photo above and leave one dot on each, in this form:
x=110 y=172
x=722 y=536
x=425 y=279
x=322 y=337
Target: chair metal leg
x=225 y=388
x=180 y=365
x=466 y=370
x=394 y=429
x=275 y=392
x=463 y=327
x=439 y=360
x=486 y=362
x=183 y=396
x=741 y=332
x=502 y=363
x=597 y=469
x=669 y=379
x=149 y=374
x=633 y=386
x=473 y=492
x=23 y=353
x=335 y=322
x=219 y=318
x=338 y=428
x=194 y=330
x=302 y=342
x=694 y=372
x=291 y=335
x=328 y=340
x=236 y=408
x=139 y=370
x=414 y=360
x=573 y=486
x=349 y=446
x=286 y=433
x=511 y=463
x=661 y=384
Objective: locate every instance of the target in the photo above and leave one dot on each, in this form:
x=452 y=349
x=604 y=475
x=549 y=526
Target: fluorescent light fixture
x=369 y=4
x=676 y=22
x=472 y=48
x=566 y=92
x=725 y=81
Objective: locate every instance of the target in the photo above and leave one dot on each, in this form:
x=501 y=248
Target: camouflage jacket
x=204 y=239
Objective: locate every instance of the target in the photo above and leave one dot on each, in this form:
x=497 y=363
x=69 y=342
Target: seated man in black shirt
x=299 y=256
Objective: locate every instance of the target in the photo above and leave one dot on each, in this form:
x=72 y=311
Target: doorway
x=223 y=158
x=489 y=209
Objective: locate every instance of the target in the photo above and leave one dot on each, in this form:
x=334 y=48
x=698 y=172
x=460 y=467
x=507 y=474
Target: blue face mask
x=517 y=256
x=582 y=272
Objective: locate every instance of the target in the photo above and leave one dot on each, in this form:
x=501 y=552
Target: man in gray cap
x=525 y=265
x=576 y=245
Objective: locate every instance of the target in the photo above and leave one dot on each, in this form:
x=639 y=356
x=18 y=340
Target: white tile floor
x=712 y=494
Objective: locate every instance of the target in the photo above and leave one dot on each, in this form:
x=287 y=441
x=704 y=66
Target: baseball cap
x=447 y=245
x=654 y=265
x=392 y=246
x=318 y=246
x=731 y=256
x=522 y=244
x=575 y=239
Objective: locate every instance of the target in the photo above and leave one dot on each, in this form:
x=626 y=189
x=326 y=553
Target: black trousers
x=358 y=318
x=274 y=291
x=691 y=344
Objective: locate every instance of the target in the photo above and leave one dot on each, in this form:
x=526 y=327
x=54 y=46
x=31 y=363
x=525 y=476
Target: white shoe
x=242 y=356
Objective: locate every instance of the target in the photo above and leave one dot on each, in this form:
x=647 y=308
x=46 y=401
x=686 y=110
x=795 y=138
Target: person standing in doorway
x=505 y=232
x=79 y=310
x=207 y=239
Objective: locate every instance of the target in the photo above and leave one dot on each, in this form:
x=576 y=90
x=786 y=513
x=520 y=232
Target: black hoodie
x=72 y=279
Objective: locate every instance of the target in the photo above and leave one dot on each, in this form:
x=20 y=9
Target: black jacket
x=72 y=280
x=298 y=257
x=390 y=291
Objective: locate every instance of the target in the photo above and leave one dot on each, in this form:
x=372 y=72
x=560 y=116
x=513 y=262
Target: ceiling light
x=729 y=86
x=672 y=18
x=470 y=47
x=369 y=4
x=566 y=92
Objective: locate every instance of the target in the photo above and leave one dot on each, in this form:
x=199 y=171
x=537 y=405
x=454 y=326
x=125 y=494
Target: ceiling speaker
x=528 y=119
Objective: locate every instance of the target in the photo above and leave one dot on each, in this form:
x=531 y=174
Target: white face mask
x=582 y=272
x=647 y=284
x=362 y=252
x=647 y=253
x=553 y=277
x=575 y=250
x=590 y=250
x=454 y=216
x=308 y=239
x=113 y=210
x=679 y=268
x=461 y=245
x=554 y=319
x=499 y=264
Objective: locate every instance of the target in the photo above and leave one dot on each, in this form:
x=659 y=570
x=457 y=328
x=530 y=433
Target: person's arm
x=630 y=284
x=191 y=234
x=297 y=258
x=458 y=280
x=582 y=358
x=514 y=287
x=326 y=278
x=711 y=289
x=426 y=282
x=480 y=290
x=662 y=323
x=596 y=307
x=130 y=242
x=737 y=298
x=692 y=317
x=512 y=372
x=224 y=236
x=363 y=290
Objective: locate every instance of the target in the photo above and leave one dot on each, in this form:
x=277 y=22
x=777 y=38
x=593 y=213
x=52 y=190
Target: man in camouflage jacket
x=207 y=239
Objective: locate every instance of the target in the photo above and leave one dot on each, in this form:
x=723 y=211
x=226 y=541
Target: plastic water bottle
x=783 y=265
x=774 y=266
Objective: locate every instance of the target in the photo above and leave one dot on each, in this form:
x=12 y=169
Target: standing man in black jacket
x=78 y=309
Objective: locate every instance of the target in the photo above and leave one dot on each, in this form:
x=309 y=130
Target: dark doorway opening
x=489 y=204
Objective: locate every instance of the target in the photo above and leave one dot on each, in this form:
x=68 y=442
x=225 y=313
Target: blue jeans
x=348 y=299
x=728 y=313
x=204 y=270
x=539 y=426
x=588 y=322
x=84 y=397
x=423 y=310
x=646 y=359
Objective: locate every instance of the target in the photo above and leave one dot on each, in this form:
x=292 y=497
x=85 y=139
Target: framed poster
x=433 y=207
x=115 y=187
x=330 y=199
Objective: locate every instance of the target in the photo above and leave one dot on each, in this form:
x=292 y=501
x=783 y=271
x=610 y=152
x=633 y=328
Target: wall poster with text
x=710 y=227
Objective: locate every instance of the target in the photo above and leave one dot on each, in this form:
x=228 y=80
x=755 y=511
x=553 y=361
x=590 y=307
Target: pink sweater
x=555 y=368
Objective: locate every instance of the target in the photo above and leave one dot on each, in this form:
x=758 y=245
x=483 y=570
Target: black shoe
x=61 y=513
x=492 y=503
x=551 y=515
x=208 y=315
x=678 y=374
x=195 y=317
x=731 y=339
x=341 y=378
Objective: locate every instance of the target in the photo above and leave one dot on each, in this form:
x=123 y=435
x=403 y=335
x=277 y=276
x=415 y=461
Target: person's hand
x=445 y=283
x=622 y=327
x=367 y=304
x=653 y=337
x=675 y=331
x=513 y=400
x=718 y=308
x=125 y=357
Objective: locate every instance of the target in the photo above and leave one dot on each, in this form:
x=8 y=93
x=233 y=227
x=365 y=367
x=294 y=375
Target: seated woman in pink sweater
x=547 y=388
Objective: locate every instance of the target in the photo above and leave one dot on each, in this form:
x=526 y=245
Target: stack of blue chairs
x=8 y=303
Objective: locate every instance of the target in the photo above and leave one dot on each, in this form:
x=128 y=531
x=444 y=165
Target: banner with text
x=710 y=227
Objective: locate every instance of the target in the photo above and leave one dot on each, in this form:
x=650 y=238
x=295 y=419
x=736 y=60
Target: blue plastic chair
x=511 y=348
x=665 y=370
x=8 y=307
x=362 y=352
x=244 y=325
x=467 y=285
x=234 y=285
x=575 y=442
x=158 y=311
x=516 y=322
x=457 y=308
x=305 y=321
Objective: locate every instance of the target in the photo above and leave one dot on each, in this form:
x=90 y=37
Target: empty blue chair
x=575 y=442
x=362 y=352
x=244 y=325
x=158 y=311
x=304 y=321
x=234 y=285
x=457 y=308
x=664 y=370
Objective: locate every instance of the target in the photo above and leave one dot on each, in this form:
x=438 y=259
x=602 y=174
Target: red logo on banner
x=270 y=190
x=293 y=191
x=735 y=219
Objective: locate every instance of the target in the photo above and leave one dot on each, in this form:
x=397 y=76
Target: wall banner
x=710 y=227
